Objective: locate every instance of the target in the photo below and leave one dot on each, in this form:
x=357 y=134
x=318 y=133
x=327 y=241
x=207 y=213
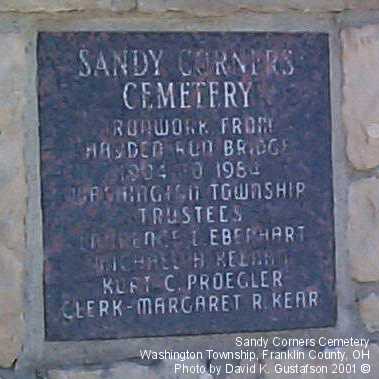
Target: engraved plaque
x=186 y=183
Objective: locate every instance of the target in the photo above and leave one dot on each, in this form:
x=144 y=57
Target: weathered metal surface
x=186 y=183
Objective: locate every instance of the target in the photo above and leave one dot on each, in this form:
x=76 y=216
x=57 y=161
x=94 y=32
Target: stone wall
x=353 y=26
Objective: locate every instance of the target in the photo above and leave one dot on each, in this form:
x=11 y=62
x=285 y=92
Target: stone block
x=194 y=7
x=369 y=310
x=363 y=236
x=12 y=196
x=28 y=6
x=361 y=95
x=225 y=7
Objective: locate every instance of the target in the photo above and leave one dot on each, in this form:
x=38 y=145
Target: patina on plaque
x=186 y=183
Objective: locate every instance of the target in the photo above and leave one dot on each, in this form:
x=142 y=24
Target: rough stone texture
x=364 y=205
x=369 y=309
x=65 y=5
x=163 y=370
x=361 y=95
x=221 y=7
x=13 y=196
x=195 y=7
x=363 y=229
x=361 y=4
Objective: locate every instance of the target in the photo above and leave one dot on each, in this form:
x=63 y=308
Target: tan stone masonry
x=353 y=26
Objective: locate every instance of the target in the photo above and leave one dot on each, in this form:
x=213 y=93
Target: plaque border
x=45 y=354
